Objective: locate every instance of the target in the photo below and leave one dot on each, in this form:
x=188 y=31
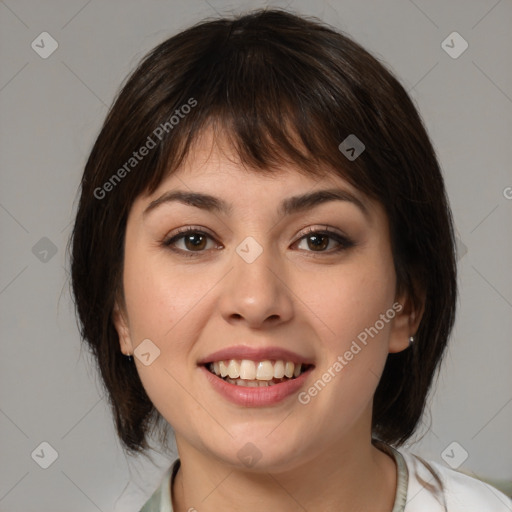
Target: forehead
x=213 y=166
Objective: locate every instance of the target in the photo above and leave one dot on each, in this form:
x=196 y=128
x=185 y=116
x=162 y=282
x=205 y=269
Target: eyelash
x=344 y=241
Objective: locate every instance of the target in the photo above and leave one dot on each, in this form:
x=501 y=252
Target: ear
x=406 y=322
x=123 y=331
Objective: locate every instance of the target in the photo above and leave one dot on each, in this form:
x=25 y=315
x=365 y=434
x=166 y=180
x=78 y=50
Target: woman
x=263 y=259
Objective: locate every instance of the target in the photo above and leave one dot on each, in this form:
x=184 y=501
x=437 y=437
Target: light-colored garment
x=421 y=487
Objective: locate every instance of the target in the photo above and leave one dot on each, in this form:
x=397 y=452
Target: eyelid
x=321 y=228
x=186 y=229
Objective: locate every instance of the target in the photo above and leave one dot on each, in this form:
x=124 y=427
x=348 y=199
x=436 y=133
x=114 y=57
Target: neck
x=344 y=478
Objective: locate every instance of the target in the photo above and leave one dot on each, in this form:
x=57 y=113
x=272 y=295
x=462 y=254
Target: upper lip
x=240 y=352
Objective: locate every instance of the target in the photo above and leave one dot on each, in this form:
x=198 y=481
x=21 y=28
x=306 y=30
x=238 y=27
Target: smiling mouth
x=249 y=373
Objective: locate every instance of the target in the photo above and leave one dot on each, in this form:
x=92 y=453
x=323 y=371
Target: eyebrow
x=289 y=206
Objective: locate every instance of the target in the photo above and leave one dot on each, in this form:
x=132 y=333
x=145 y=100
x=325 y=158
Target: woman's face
x=253 y=283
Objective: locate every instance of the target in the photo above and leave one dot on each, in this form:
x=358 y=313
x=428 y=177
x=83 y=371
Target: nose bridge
x=256 y=290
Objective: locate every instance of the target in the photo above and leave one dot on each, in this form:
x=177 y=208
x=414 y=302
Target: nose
x=256 y=292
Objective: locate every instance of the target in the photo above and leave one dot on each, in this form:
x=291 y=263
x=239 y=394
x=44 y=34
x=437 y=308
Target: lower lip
x=256 y=397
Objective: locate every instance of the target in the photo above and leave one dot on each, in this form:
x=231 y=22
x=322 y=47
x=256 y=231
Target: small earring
x=411 y=340
x=130 y=358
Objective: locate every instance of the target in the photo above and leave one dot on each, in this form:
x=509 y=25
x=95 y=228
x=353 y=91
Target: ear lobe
x=405 y=323
x=123 y=331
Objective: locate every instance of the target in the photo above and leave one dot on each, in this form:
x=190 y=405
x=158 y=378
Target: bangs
x=275 y=103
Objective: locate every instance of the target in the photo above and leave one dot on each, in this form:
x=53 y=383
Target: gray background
x=52 y=110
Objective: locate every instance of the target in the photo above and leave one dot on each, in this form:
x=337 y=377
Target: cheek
x=348 y=299
x=170 y=308
x=355 y=349
x=161 y=304
x=352 y=308
x=158 y=297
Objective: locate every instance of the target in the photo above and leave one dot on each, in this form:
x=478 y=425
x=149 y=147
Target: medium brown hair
x=285 y=88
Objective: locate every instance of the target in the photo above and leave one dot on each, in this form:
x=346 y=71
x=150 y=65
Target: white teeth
x=233 y=369
x=249 y=383
x=279 y=369
x=223 y=369
x=288 y=369
x=247 y=370
x=263 y=371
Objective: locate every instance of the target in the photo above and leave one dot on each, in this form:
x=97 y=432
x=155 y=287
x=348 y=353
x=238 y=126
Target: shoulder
x=467 y=493
x=433 y=486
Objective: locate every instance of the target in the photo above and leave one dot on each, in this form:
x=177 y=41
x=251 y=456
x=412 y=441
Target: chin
x=257 y=452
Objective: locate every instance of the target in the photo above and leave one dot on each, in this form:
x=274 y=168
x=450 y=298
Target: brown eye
x=195 y=241
x=189 y=241
x=319 y=241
